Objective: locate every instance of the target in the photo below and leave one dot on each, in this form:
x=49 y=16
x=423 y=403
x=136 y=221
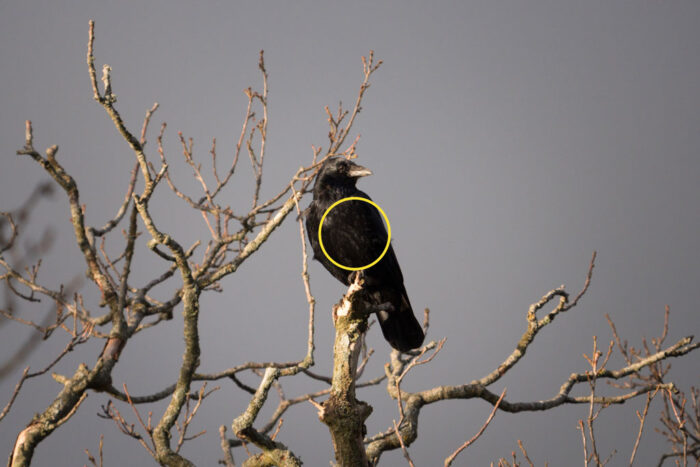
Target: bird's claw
x=356 y=277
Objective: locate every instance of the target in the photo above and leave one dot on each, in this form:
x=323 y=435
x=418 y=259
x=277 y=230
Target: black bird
x=354 y=236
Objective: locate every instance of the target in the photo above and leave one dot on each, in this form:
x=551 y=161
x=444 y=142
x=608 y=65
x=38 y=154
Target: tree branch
x=342 y=412
x=274 y=452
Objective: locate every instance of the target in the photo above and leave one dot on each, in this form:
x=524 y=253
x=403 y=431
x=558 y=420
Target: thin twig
x=403 y=446
x=18 y=386
x=527 y=458
x=415 y=361
x=228 y=456
x=467 y=443
x=642 y=418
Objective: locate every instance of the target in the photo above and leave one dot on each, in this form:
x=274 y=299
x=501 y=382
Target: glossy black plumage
x=354 y=235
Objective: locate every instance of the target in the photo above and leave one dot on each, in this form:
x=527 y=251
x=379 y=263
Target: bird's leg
x=357 y=278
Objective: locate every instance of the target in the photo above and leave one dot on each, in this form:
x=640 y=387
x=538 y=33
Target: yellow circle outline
x=388 y=227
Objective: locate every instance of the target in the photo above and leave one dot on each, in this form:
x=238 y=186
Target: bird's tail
x=400 y=327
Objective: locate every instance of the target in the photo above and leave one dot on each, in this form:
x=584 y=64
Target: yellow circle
x=388 y=227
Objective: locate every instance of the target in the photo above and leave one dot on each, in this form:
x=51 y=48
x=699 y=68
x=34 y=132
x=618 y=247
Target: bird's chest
x=350 y=237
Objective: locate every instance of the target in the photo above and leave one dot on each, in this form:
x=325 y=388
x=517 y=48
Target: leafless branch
x=414 y=402
x=110 y=412
x=228 y=456
x=122 y=209
x=527 y=458
x=18 y=386
x=189 y=415
x=415 y=361
x=404 y=450
x=450 y=459
x=273 y=451
x=535 y=325
x=642 y=418
x=342 y=412
x=92 y=459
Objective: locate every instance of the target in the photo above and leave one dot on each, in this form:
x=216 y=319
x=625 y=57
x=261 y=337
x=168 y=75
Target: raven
x=354 y=236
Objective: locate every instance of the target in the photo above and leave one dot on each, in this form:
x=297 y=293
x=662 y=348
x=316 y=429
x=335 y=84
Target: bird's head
x=341 y=171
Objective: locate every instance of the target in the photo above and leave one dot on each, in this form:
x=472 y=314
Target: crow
x=354 y=236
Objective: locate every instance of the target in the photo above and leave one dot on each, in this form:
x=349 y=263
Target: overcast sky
x=508 y=140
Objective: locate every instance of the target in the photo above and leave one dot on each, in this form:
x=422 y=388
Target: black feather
x=354 y=235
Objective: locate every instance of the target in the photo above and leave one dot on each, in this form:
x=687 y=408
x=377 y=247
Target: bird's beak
x=359 y=171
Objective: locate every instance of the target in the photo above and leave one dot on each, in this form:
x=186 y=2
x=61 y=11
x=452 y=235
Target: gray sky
x=508 y=141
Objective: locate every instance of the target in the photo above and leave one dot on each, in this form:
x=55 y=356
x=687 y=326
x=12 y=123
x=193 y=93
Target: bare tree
x=236 y=234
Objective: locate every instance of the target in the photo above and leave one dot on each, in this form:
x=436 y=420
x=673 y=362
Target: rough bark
x=342 y=412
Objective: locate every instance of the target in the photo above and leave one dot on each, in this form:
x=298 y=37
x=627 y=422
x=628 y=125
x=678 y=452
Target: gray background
x=508 y=141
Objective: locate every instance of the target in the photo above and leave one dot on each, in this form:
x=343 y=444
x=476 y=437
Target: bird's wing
x=354 y=235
